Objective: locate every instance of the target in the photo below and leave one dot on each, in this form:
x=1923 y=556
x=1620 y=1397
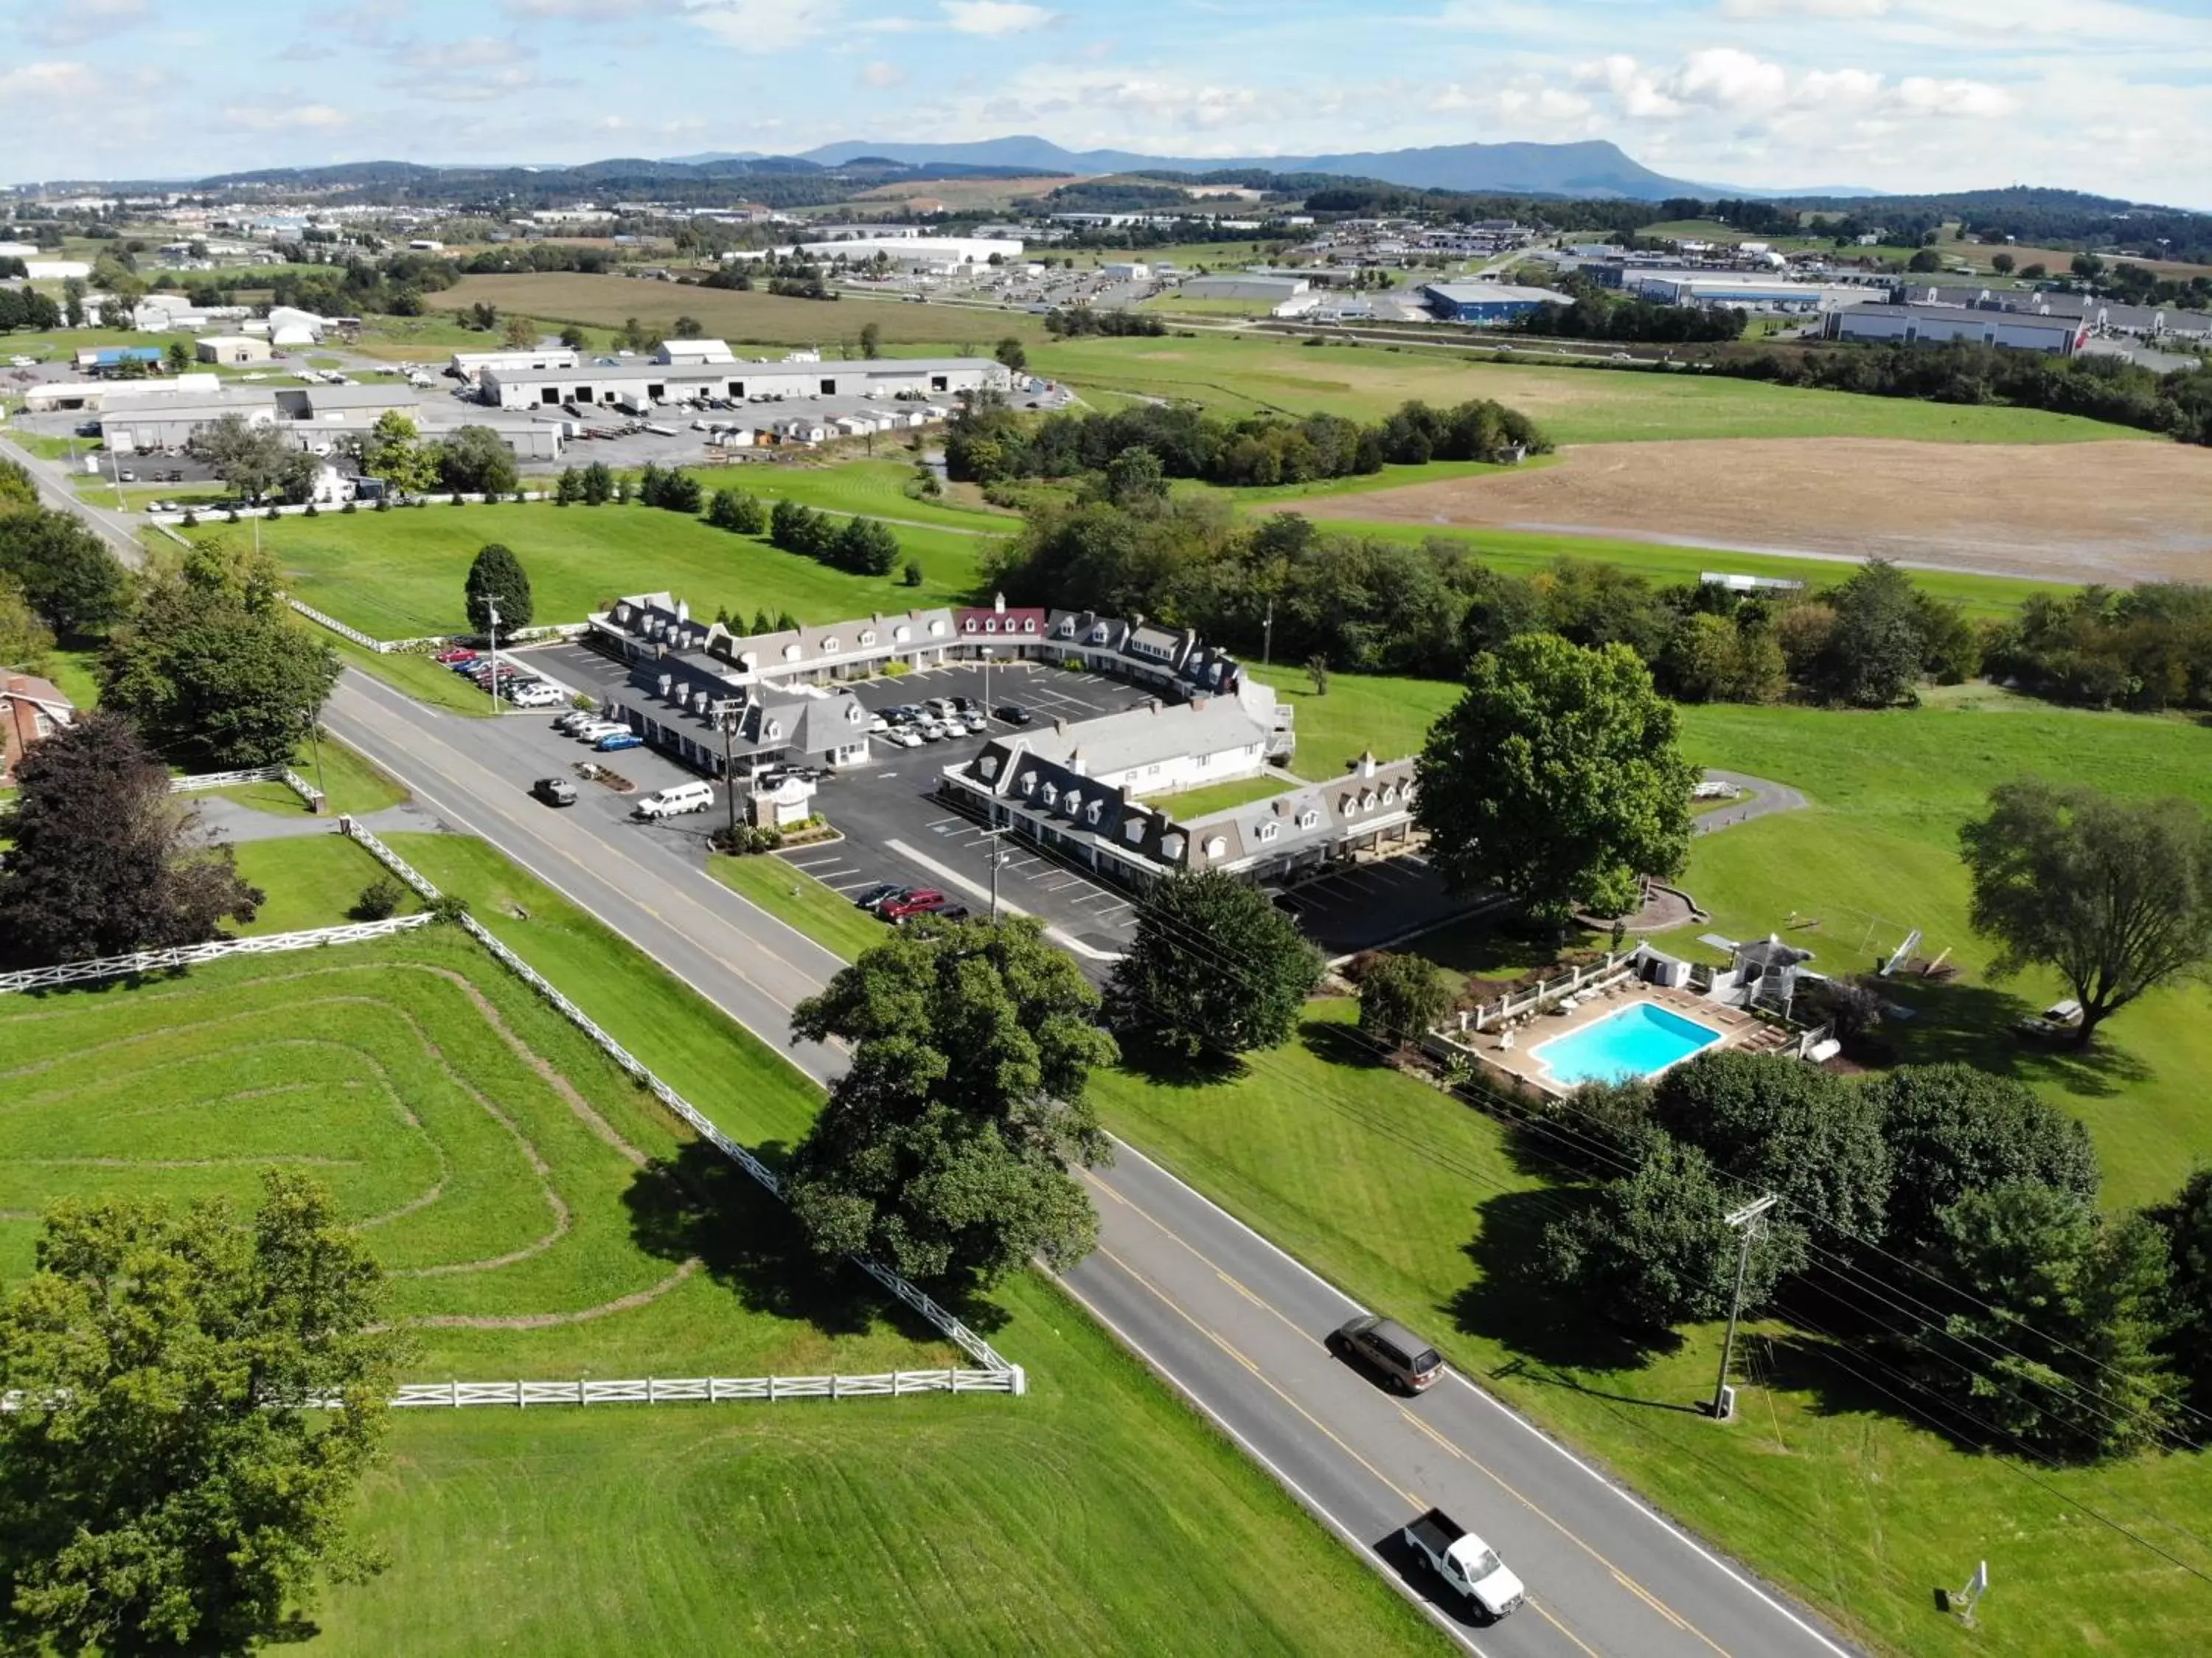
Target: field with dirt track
x=2100 y=512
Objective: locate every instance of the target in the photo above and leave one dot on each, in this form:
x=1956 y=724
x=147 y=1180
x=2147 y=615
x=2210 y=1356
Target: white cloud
x=764 y=25
x=62 y=82
x=1728 y=81
x=882 y=75
x=80 y=20
x=994 y=17
x=281 y=117
x=1825 y=9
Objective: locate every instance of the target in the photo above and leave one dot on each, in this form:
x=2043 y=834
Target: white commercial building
x=1273 y=290
x=640 y=384
x=91 y=395
x=694 y=351
x=914 y=250
x=472 y=365
x=56 y=270
x=232 y=348
x=1942 y=324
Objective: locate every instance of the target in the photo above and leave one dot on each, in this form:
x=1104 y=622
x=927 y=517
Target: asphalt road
x=1225 y=1316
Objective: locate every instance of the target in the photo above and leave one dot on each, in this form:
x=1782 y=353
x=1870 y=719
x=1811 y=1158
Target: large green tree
x=65 y=571
x=2058 y=1348
x=1775 y=1124
x=475 y=461
x=104 y=861
x=1872 y=655
x=2114 y=896
x=164 y=1485
x=1215 y=968
x=1652 y=1249
x=256 y=460
x=1556 y=778
x=2187 y=1221
x=944 y=1150
x=1400 y=997
x=865 y=547
x=25 y=639
x=1952 y=1129
x=394 y=451
x=496 y=575
x=214 y=668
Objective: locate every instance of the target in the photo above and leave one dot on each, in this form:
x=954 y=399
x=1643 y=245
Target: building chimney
x=999 y=601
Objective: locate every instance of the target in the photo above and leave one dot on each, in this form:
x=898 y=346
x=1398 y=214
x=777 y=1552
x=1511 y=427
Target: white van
x=679 y=798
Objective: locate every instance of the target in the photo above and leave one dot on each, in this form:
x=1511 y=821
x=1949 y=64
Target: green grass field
x=1360 y=713
x=1099 y=1514
x=1218 y=796
x=793 y=896
x=309 y=880
x=349 y=782
x=398 y=575
x=1238 y=374
x=756 y=319
x=863 y=488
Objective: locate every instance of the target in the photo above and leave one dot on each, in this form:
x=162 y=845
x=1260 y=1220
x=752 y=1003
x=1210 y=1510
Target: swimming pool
x=1640 y=1040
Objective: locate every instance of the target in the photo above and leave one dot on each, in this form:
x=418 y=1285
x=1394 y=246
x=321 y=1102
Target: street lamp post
x=1746 y=1221
x=491 y=605
x=998 y=857
x=728 y=723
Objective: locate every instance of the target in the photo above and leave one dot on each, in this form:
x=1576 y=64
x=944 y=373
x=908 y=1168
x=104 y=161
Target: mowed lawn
x=755 y=318
x=539 y=1216
x=1235 y=374
x=399 y=574
x=1099 y=1514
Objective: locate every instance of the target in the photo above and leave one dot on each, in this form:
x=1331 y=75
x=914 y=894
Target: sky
x=2108 y=95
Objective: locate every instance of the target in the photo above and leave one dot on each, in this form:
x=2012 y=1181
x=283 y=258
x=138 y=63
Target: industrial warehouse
x=638 y=383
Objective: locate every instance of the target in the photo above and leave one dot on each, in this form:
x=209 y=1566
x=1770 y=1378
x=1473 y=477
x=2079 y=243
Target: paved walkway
x=1764 y=800
x=235 y=821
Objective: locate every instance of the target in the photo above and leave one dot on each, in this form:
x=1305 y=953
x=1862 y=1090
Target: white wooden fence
x=431 y=641
x=188 y=956
x=696 y=1390
x=1507 y=1007
x=200 y=781
x=974 y=1344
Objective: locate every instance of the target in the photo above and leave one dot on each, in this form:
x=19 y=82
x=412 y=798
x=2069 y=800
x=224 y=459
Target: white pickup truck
x=1466 y=1561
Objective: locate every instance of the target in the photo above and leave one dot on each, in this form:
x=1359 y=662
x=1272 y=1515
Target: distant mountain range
x=1593 y=167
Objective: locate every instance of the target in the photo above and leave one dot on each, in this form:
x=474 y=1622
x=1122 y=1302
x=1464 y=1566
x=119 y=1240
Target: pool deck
x=1737 y=1028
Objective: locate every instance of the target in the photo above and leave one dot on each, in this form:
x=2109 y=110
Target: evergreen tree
x=497 y=575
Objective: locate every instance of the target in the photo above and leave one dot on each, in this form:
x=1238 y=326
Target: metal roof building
x=641 y=381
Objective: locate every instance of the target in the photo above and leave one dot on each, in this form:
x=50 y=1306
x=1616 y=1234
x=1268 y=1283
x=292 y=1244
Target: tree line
x=2147 y=647
x=1372 y=605
x=989 y=443
x=2105 y=388
x=1586 y=310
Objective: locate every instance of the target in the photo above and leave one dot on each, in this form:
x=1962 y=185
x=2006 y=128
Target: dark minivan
x=1396 y=1351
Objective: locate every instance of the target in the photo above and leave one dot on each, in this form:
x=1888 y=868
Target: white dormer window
x=867 y=638
x=1171 y=847
x=1390 y=793
x=1029 y=624
x=1132 y=830
x=1029 y=783
x=854 y=715
x=1094 y=809
x=1267 y=830
x=1309 y=818
x=987 y=766
x=1367 y=801
x=792 y=653
x=968 y=626
x=831 y=646
x=774 y=732
x=902 y=633
x=1216 y=845
x=1074 y=802
x=991 y=625
x=1051 y=794
x=937 y=627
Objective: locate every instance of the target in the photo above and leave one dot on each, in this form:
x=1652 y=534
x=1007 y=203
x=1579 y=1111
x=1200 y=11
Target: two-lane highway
x=1233 y=1322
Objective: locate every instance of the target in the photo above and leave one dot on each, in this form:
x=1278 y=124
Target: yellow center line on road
x=1620 y=1576
x=1226 y=1346
x=1537 y=1606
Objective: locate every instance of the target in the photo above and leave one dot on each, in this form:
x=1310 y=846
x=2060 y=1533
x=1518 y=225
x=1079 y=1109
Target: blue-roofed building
x=100 y=358
x=1487 y=304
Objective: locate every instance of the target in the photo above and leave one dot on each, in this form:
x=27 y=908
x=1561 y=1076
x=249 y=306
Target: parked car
x=540 y=695
x=1402 y=1356
x=457 y=654
x=914 y=903
x=1014 y=714
x=592 y=730
x=877 y=726
x=929 y=731
x=555 y=791
x=674 y=800
x=882 y=890
x=1467 y=1562
x=908 y=738
x=575 y=720
x=616 y=739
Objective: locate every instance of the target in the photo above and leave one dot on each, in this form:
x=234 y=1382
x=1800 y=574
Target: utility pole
x=1267 y=644
x=1746 y=1221
x=728 y=719
x=491 y=604
x=987 y=683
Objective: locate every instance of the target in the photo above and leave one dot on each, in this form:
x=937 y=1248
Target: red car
x=913 y=904
x=459 y=654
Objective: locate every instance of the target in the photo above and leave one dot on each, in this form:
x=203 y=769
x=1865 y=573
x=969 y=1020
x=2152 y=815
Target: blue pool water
x=1636 y=1041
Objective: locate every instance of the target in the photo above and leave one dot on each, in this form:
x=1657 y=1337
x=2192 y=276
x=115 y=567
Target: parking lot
x=896 y=829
